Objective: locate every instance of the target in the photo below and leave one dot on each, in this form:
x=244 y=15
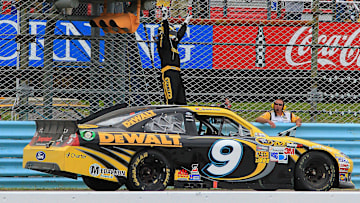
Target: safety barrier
x=15 y=135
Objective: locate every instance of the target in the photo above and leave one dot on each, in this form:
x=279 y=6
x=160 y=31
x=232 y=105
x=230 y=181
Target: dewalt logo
x=139 y=139
x=167 y=87
x=138 y=118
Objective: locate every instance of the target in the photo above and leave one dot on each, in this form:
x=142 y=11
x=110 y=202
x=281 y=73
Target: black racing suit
x=174 y=89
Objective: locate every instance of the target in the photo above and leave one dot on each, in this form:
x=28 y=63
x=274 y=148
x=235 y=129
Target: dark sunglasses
x=278 y=104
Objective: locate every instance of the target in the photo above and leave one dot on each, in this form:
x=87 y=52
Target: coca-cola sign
x=339 y=43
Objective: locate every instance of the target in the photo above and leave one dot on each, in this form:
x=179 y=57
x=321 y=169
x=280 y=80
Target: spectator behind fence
x=278 y=114
x=342 y=10
x=293 y=10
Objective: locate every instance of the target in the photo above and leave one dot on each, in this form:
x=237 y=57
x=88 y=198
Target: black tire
x=148 y=171
x=315 y=171
x=100 y=184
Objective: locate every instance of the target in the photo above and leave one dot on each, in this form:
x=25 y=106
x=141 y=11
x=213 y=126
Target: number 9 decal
x=225 y=156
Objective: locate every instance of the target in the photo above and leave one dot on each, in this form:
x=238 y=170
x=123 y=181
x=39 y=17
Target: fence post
x=314 y=57
x=22 y=38
x=48 y=68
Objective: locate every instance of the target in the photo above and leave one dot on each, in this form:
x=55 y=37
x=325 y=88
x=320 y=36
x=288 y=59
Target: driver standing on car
x=278 y=114
x=167 y=45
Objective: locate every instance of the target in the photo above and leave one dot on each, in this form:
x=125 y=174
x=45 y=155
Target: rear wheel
x=315 y=171
x=100 y=184
x=149 y=170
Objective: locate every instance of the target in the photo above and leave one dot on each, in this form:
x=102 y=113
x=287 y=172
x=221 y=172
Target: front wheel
x=148 y=170
x=315 y=171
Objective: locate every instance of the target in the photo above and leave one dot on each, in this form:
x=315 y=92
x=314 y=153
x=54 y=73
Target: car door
x=228 y=152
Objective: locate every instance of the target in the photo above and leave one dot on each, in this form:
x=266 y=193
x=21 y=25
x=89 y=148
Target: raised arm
x=183 y=27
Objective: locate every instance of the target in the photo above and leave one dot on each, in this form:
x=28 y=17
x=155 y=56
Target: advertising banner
x=195 y=49
x=274 y=41
x=203 y=46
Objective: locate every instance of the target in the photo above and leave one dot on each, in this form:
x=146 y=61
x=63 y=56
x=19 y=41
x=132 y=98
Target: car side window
x=207 y=125
x=231 y=128
x=172 y=123
x=212 y=125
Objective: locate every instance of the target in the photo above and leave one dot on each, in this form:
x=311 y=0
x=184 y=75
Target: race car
x=153 y=147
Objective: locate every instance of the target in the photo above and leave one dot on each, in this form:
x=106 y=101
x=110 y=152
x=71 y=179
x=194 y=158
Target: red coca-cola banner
x=282 y=57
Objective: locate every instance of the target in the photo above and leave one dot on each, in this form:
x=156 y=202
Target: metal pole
x=95 y=61
x=268 y=5
x=48 y=78
x=314 y=56
x=23 y=40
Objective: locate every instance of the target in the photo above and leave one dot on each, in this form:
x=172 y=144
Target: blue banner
x=198 y=55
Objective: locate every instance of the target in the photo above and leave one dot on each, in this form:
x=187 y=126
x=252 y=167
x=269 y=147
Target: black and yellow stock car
x=153 y=147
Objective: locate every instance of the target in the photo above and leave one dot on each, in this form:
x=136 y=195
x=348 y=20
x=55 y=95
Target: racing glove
x=165 y=13
x=187 y=19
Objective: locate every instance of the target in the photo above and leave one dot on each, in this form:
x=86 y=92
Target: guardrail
x=15 y=135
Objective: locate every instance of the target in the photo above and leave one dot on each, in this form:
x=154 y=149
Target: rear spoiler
x=58 y=132
x=102 y=112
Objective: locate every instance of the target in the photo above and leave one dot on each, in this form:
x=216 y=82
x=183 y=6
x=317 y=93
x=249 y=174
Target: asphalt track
x=187 y=196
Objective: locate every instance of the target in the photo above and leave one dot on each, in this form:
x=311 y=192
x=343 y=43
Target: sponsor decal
x=206 y=109
x=283 y=158
x=262 y=148
x=344 y=170
x=96 y=170
x=262 y=157
x=289 y=151
x=43 y=139
x=87 y=135
x=269 y=142
x=274 y=156
x=75 y=156
x=87 y=126
x=167 y=88
x=40 y=155
x=344 y=165
x=143 y=139
x=342 y=159
x=259 y=135
x=342 y=177
x=277 y=149
x=293 y=145
x=279 y=143
x=194 y=174
x=138 y=118
x=181 y=175
x=264 y=141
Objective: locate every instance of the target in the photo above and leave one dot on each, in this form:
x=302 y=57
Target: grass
x=336 y=112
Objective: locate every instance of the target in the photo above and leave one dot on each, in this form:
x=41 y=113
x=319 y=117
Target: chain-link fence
x=54 y=65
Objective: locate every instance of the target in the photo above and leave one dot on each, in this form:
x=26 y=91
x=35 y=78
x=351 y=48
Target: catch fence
x=54 y=65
